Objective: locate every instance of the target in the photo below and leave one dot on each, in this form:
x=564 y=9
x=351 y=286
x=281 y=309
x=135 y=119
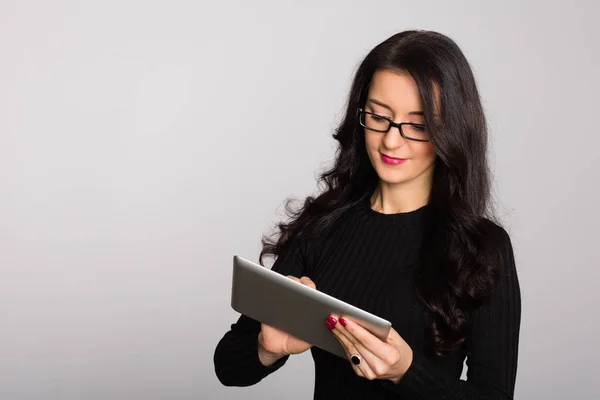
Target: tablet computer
x=280 y=302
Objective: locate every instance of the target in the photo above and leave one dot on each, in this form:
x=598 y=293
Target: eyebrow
x=379 y=103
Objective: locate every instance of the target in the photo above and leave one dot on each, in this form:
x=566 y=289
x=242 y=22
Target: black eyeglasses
x=379 y=123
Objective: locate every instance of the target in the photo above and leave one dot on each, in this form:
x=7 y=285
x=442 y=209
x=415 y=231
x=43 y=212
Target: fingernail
x=332 y=320
x=329 y=326
x=343 y=322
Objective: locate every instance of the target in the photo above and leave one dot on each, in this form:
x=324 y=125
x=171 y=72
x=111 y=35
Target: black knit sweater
x=367 y=260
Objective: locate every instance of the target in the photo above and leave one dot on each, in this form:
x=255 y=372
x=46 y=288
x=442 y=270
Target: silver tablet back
x=292 y=307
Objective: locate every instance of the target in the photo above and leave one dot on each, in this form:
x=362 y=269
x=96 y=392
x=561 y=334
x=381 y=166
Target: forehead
x=396 y=89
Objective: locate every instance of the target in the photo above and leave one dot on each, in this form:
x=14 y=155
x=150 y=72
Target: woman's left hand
x=376 y=359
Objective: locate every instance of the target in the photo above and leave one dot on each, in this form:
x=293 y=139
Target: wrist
x=407 y=362
x=266 y=357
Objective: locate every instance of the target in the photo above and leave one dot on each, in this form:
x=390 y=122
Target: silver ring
x=356 y=359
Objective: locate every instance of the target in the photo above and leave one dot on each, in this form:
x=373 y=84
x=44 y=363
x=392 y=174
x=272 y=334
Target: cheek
x=425 y=152
x=372 y=142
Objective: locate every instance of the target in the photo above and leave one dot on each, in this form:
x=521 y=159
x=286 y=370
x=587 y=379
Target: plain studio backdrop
x=143 y=143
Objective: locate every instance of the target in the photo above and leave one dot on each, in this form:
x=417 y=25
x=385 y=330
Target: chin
x=393 y=179
x=394 y=182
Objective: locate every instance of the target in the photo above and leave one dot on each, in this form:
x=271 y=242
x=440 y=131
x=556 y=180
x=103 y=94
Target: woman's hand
x=274 y=344
x=376 y=359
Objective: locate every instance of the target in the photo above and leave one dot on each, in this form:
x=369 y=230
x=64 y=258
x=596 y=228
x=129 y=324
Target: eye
x=420 y=128
x=378 y=118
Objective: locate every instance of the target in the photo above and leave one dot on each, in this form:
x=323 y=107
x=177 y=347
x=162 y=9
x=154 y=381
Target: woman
x=403 y=230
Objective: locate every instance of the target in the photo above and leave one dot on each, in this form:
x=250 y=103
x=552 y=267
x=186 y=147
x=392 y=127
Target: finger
x=376 y=365
x=374 y=362
x=394 y=336
x=305 y=280
x=372 y=343
x=308 y=282
x=363 y=369
x=358 y=371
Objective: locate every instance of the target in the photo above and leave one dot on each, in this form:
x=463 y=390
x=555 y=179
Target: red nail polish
x=332 y=320
x=329 y=326
x=343 y=322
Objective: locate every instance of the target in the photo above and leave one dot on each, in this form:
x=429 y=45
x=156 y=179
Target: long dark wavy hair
x=456 y=270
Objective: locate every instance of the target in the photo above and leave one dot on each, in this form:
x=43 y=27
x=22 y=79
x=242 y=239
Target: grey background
x=143 y=143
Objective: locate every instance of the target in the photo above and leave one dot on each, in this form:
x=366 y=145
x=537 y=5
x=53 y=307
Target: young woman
x=403 y=229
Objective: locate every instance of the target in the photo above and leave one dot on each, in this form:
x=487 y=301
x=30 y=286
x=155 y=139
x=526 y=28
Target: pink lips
x=392 y=160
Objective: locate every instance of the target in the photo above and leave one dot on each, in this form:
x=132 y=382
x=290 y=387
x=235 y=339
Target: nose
x=393 y=139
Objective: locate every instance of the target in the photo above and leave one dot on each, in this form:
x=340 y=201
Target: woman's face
x=398 y=161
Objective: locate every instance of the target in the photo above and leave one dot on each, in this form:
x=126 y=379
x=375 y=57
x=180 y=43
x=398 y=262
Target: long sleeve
x=236 y=355
x=492 y=348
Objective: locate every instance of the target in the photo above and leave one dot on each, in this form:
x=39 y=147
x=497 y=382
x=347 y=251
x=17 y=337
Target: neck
x=400 y=198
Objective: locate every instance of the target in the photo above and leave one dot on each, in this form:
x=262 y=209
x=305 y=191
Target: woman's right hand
x=274 y=344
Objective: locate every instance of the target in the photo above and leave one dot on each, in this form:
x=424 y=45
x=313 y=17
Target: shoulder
x=495 y=238
x=499 y=253
x=496 y=257
x=494 y=231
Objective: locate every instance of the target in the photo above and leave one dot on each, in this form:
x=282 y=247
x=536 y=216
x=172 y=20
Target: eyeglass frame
x=391 y=125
